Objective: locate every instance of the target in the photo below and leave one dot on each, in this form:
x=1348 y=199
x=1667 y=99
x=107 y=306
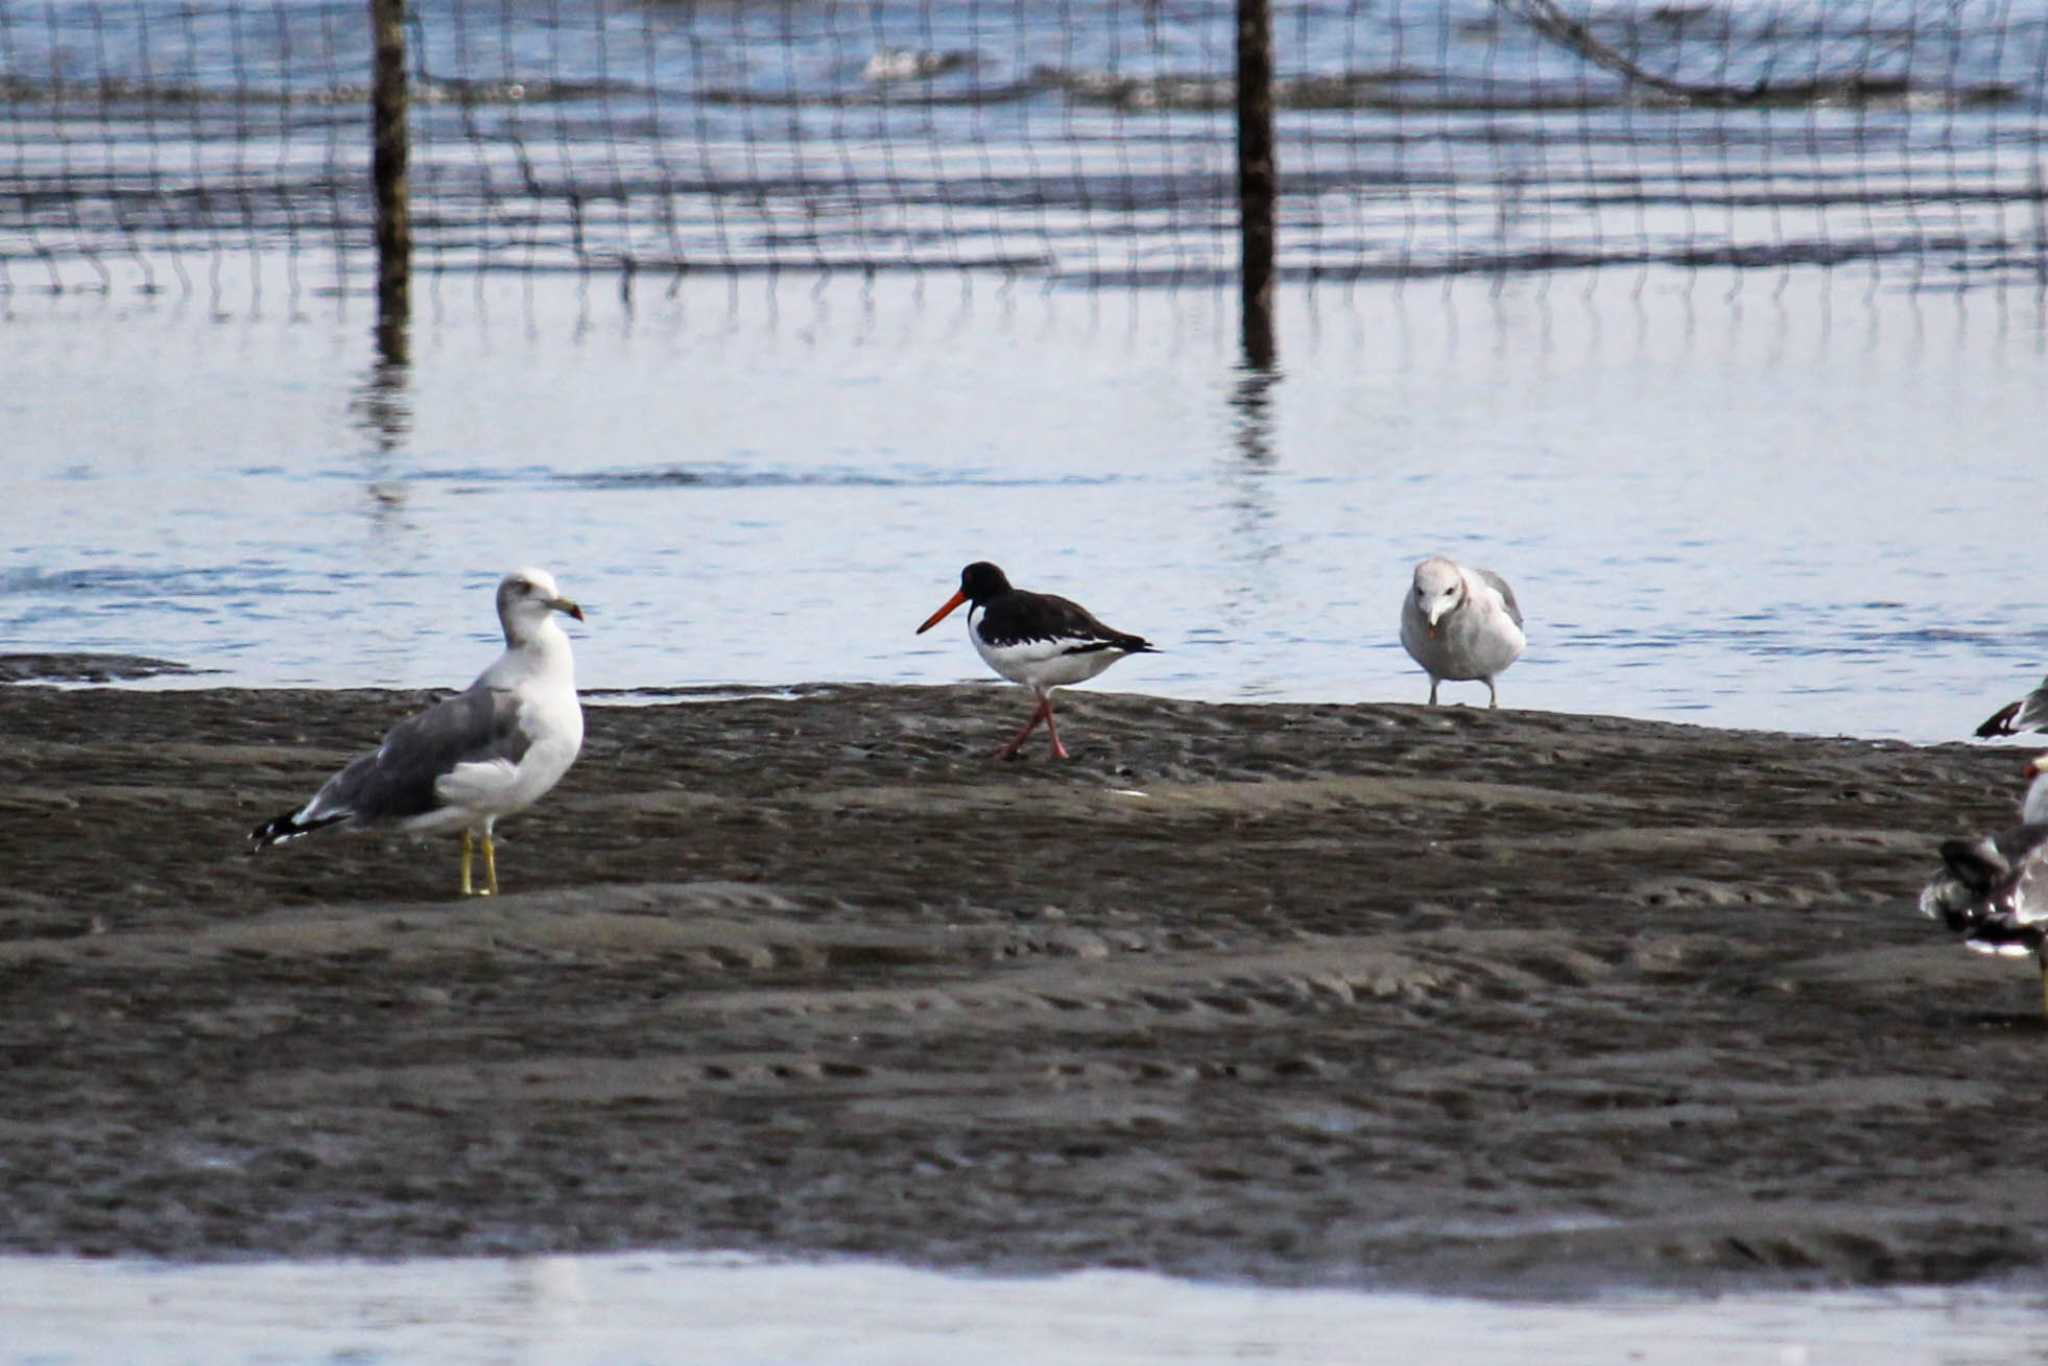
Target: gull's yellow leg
x=467 y=890
x=490 y=864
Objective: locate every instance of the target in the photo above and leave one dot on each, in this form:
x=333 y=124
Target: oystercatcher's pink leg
x=1059 y=751
x=1044 y=713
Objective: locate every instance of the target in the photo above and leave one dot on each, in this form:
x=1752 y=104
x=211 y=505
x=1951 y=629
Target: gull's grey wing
x=2008 y=919
x=1507 y=594
x=397 y=780
x=2030 y=887
x=2029 y=713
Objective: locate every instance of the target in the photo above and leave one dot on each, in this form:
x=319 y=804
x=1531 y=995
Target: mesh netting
x=1085 y=142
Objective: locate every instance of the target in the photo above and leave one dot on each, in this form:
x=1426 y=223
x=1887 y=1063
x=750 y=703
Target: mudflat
x=1362 y=994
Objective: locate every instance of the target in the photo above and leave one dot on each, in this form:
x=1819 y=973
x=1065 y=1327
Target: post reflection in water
x=1253 y=548
x=381 y=408
x=1252 y=400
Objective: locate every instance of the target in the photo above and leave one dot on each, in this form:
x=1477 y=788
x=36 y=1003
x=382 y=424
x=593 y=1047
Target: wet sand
x=1362 y=995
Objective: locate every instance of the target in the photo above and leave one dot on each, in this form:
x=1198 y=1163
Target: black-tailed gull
x=1461 y=624
x=487 y=752
x=1041 y=641
x=2029 y=713
x=1993 y=889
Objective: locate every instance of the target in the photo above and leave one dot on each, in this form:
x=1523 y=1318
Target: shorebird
x=1993 y=889
x=1041 y=641
x=1460 y=624
x=2029 y=713
x=486 y=752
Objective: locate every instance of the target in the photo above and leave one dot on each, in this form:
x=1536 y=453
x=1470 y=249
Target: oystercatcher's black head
x=979 y=582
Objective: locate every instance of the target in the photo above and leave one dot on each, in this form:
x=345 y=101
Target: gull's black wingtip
x=270 y=832
x=2000 y=722
x=278 y=829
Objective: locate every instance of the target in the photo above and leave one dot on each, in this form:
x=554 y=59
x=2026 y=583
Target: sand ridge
x=1341 y=994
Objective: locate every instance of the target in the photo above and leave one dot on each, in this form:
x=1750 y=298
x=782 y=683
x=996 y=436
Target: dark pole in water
x=388 y=169
x=1258 y=186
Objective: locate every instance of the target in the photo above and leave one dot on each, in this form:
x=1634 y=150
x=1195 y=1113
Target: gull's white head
x=526 y=597
x=2034 y=810
x=1439 y=589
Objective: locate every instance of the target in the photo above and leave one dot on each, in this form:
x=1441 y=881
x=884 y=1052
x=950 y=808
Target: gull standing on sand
x=490 y=751
x=1994 y=889
x=2029 y=713
x=1461 y=624
x=1041 y=641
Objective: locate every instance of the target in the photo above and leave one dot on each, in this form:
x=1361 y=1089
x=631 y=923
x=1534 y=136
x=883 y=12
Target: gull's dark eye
x=1450 y=590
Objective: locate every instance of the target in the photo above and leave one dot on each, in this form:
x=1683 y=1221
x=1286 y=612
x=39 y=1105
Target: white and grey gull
x=1993 y=889
x=1461 y=624
x=490 y=751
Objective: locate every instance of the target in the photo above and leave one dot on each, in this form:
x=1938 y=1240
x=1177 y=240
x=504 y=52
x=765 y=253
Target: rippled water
x=635 y=1308
x=1791 y=503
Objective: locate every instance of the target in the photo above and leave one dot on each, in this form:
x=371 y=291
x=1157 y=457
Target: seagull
x=487 y=752
x=2029 y=713
x=1035 y=639
x=1461 y=623
x=1994 y=889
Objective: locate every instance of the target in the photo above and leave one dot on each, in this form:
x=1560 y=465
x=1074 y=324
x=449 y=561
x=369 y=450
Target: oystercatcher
x=487 y=752
x=1461 y=623
x=1041 y=641
x=1993 y=890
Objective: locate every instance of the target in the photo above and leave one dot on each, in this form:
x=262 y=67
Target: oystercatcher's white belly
x=1042 y=664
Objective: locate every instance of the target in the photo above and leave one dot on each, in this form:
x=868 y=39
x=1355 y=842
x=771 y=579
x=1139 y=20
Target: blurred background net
x=1062 y=140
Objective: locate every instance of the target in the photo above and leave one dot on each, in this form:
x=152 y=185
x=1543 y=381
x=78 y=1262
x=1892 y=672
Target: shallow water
x=652 y=1307
x=1793 y=504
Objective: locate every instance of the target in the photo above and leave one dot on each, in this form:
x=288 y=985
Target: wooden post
x=1258 y=180
x=390 y=152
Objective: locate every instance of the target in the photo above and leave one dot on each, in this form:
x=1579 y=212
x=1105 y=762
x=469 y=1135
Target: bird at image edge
x=1993 y=889
x=2029 y=713
x=1037 y=639
x=489 y=751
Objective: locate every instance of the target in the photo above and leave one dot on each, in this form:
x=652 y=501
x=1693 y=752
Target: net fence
x=1081 y=141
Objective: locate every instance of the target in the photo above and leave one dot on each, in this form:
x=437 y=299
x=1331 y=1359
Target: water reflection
x=1253 y=547
x=381 y=408
x=1251 y=398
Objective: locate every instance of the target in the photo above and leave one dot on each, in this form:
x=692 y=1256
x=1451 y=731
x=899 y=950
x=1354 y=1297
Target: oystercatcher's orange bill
x=935 y=618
